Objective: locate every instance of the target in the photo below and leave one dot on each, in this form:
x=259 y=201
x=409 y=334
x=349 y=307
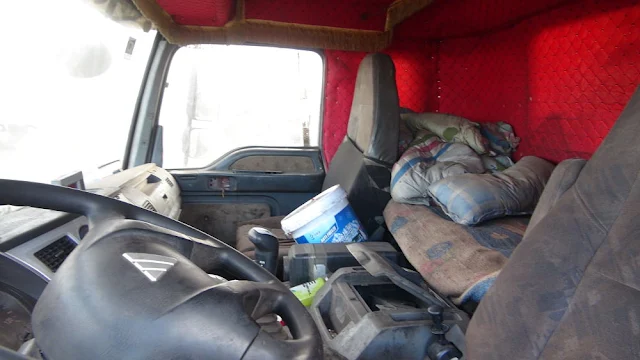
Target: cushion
x=450 y=128
x=428 y=160
x=495 y=164
x=458 y=261
x=470 y=199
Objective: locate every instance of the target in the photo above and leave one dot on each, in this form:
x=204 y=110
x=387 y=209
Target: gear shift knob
x=267 y=247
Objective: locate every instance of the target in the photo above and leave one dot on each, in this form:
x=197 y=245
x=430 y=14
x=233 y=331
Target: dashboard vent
x=55 y=253
x=169 y=182
x=149 y=206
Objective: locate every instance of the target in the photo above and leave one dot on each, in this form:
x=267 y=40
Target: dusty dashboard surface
x=35 y=242
x=41 y=239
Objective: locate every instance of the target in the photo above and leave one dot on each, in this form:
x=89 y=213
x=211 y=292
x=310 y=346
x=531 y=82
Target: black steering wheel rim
x=107 y=216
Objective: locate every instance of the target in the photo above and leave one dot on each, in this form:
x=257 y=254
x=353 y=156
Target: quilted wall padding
x=353 y=14
x=340 y=81
x=583 y=65
x=415 y=77
x=456 y=18
x=561 y=78
x=415 y=62
x=199 y=12
x=559 y=70
x=484 y=78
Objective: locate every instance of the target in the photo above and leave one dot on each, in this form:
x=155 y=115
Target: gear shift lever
x=441 y=349
x=436 y=312
x=267 y=247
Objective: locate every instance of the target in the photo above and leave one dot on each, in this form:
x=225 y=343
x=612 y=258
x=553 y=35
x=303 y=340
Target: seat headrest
x=375 y=112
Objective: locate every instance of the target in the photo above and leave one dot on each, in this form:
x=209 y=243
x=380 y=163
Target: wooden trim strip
x=252 y=31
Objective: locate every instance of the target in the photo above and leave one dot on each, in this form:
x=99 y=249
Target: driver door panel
x=246 y=184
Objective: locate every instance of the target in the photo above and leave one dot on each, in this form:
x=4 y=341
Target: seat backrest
x=571 y=289
x=363 y=161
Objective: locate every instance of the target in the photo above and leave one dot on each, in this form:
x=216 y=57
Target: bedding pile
x=474 y=193
x=465 y=168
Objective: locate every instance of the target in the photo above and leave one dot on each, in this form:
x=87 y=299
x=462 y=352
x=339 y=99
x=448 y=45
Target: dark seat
x=571 y=289
x=362 y=164
x=459 y=261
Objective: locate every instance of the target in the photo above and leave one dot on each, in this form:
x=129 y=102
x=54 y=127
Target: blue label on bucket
x=345 y=227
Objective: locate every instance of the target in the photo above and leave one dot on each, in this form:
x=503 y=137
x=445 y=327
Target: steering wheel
x=137 y=287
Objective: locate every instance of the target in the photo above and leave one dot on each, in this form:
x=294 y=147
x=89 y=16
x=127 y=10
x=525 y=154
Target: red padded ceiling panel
x=199 y=12
x=561 y=78
x=354 y=14
x=454 y=18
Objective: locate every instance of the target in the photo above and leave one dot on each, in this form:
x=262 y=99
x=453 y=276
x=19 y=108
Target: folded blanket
x=428 y=160
x=494 y=164
x=502 y=139
x=449 y=128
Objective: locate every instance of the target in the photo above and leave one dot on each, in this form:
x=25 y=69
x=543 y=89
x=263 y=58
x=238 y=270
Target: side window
x=222 y=97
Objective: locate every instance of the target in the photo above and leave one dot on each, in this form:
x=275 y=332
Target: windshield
x=70 y=81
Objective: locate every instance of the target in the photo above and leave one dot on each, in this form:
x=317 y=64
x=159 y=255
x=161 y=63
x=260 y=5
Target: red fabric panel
x=485 y=78
x=415 y=78
x=199 y=12
x=340 y=81
x=353 y=14
x=455 y=18
x=415 y=63
x=584 y=66
x=561 y=78
x=560 y=71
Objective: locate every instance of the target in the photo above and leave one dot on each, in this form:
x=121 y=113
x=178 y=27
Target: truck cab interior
x=154 y=152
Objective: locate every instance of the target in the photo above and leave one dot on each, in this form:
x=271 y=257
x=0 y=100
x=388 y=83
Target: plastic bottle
x=305 y=292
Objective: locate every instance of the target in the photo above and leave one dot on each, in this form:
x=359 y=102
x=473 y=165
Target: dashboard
x=44 y=253
x=35 y=242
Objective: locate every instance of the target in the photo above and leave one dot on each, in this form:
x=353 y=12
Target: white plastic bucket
x=326 y=218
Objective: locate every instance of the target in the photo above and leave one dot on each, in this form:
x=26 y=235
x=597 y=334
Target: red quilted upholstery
x=415 y=63
x=354 y=14
x=560 y=77
x=560 y=71
x=484 y=78
x=199 y=12
x=454 y=18
x=584 y=65
x=340 y=81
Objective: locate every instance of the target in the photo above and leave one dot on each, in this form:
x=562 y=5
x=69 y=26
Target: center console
x=380 y=310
